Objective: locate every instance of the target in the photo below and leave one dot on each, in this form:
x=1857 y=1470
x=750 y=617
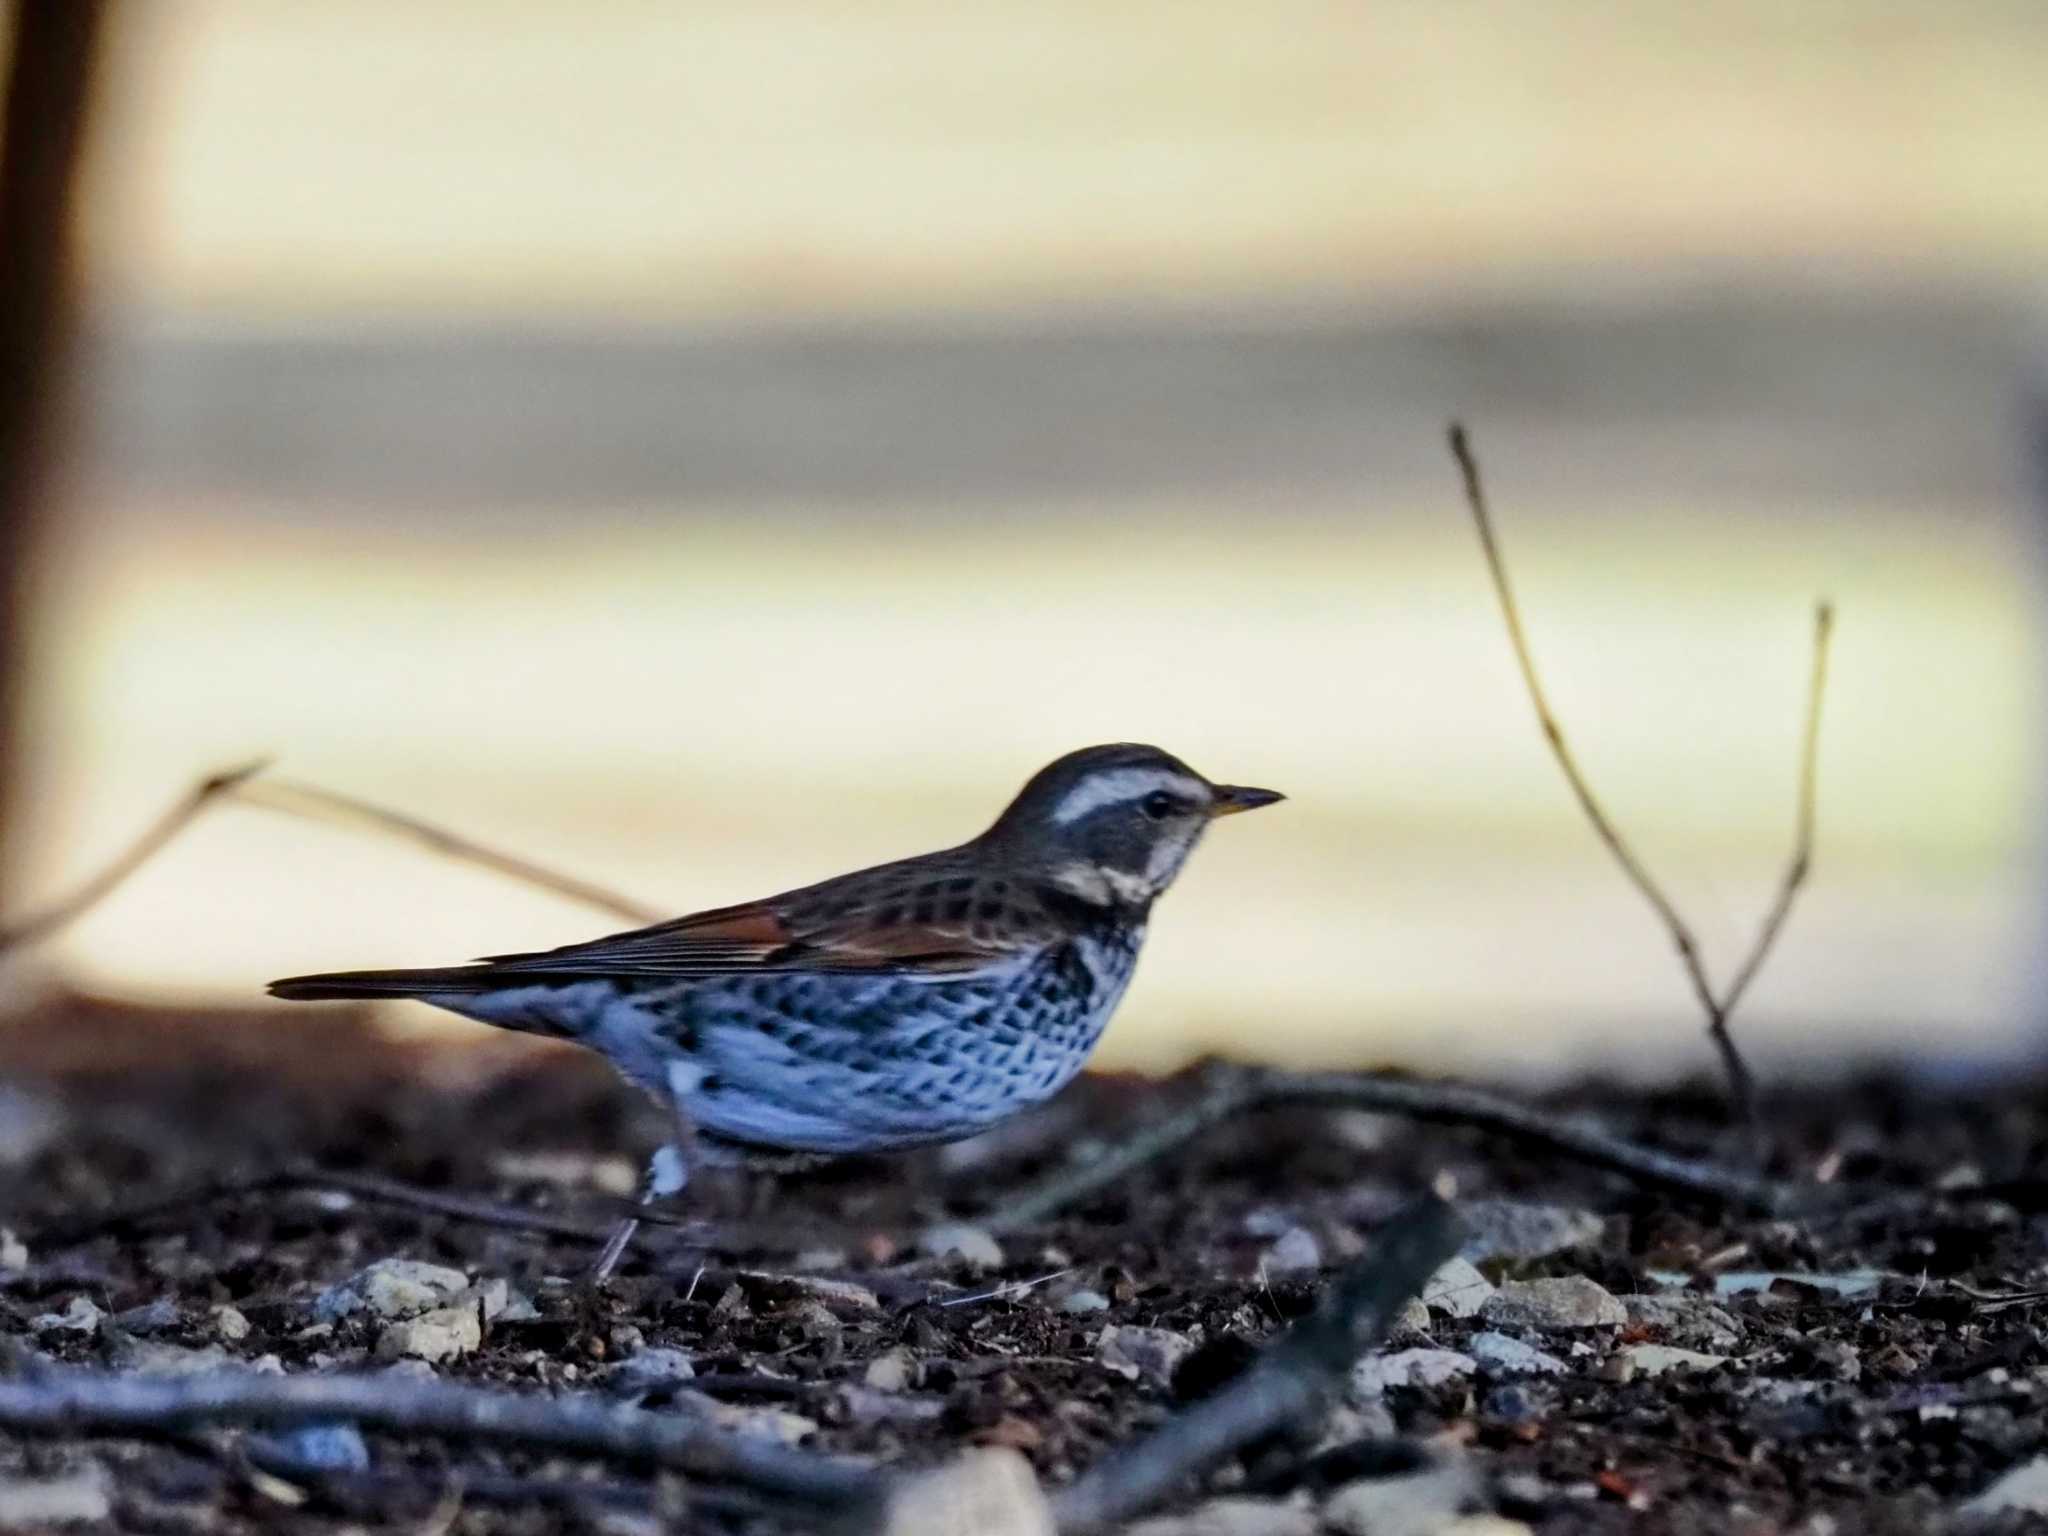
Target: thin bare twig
x=67 y=1401
x=1553 y=733
x=690 y=1239
x=369 y=1187
x=1718 y=1008
x=155 y=838
x=317 y=804
x=1246 y=1090
x=378 y=1190
x=1801 y=862
x=243 y=785
x=1287 y=1383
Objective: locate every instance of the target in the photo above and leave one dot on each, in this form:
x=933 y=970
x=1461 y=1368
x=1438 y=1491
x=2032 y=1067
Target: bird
x=911 y=1003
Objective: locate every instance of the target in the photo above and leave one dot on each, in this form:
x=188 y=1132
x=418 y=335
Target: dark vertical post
x=50 y=74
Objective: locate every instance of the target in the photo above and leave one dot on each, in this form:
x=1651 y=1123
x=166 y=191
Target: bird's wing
x=924 y=919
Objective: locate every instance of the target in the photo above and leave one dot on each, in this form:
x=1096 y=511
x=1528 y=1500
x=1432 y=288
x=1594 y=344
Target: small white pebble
x=230 y=1324
x=969 y=1242
x=889 y=1372
x=78 y=1316
x=1152 y=1354
x=493 y=1295
x=1296 y=1249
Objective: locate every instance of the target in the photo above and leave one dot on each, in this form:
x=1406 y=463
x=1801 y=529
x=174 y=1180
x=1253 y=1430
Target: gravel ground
x=1603 y=1360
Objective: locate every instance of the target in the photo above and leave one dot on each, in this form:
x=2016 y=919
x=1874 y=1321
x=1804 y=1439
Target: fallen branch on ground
x=380 y=1494
x=1718 y=1007
x=1246 y=1090
x=1287 y=1383
x=69 y=1401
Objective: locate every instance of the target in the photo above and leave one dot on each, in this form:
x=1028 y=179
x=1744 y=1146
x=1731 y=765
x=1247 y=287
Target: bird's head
x=1113 y=825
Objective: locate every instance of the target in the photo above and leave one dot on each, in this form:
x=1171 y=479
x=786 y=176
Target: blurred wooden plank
x=50 y=79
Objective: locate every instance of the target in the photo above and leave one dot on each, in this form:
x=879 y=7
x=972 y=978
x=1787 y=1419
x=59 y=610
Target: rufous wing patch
x=931 y=926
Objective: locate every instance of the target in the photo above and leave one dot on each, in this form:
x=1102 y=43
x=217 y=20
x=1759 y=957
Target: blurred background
x=710 y=448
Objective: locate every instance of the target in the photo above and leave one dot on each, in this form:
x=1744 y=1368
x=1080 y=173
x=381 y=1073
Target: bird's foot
x=608 y=1257
x=667 y=1175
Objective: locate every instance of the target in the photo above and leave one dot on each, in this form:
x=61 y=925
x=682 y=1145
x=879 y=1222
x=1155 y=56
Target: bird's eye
x=1158 y=805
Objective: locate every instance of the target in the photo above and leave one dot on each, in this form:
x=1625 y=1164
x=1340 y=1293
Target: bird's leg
x=668 y=1173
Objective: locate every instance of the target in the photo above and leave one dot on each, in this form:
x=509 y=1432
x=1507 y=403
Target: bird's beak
x=1229 y=799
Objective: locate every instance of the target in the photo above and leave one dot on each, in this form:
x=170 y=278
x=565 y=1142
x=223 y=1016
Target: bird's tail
x=432 y=981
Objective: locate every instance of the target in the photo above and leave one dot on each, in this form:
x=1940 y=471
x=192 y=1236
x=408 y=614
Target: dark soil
x=1882 y=1411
